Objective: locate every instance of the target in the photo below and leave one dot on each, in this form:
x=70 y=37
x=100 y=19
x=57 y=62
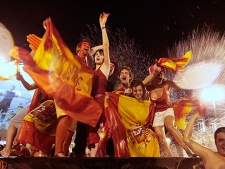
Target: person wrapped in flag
x=106 y=146
x=113 y=117
x=65 y=77
x=129 y=126
x=142 y=141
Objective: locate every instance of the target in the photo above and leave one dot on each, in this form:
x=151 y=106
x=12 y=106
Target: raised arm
x=105 y=68
x=198 y=149
x=152 y=75
x=24 y=82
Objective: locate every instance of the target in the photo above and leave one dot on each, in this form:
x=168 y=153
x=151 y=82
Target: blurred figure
x=16 y=121
x=6 y=101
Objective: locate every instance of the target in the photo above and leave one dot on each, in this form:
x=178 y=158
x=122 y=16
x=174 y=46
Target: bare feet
x=40 y=154
x=5 y=153
x=60 y=154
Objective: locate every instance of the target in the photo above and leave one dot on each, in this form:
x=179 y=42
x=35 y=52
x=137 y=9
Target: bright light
x=2 y=59
x=215 y=93
x=168 y=140
x=8 y=70
x=198 y=75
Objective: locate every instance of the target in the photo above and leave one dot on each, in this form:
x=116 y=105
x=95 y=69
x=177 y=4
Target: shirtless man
x=211 y=159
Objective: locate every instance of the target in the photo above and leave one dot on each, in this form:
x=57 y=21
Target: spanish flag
x=175 y=64
x=128 y=122
x=183 y=107
x=39 y=127
x=62 y=75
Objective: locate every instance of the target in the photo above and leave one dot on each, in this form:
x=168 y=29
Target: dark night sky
x=156 y=24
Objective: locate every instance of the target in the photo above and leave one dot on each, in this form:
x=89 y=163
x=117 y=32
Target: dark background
x=154 y=24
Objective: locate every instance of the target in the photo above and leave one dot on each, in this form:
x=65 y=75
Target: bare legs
x=169 y=123
x=162 y=139
x=11 y=134
x=94 y=150
x=70 y=132
x=63 y=135
x=61 y=132
x=29 y=147
x=93 y=140
x=14 y=126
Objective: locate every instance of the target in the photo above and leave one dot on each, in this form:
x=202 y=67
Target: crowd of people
x=73 y=97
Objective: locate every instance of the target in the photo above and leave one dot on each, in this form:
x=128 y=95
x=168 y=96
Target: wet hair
x=219 y=130
x=137 y=82
x=129 y=70
x=79 y=44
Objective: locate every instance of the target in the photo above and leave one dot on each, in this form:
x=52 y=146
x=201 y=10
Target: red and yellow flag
x=39 y=127
x=185 y=106
x=62 y=75
x=128 y=122
x=175 y=64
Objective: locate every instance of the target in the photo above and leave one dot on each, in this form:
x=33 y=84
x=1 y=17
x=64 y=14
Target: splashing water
x=124 y=50
x=198 y=75
x=208 y=47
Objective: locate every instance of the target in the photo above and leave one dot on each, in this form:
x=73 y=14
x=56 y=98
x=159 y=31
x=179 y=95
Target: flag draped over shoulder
x=113 y=128
x=128 y=122
x=175 y=64
x=64 y=76
x=185 y=106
